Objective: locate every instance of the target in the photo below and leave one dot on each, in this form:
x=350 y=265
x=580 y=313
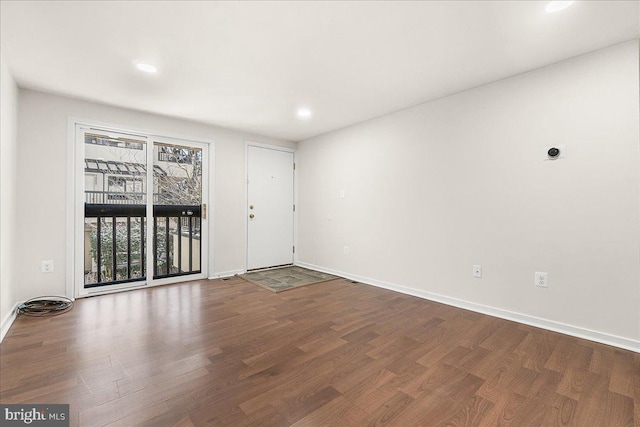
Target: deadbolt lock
x=250 y=206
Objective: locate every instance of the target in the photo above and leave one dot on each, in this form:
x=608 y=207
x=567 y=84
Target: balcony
x=115 y=243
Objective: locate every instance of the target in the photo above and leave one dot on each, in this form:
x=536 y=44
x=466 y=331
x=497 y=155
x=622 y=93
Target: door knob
x=251 y=216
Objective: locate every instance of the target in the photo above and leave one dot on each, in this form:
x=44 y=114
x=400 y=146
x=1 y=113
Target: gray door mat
x=285 y=278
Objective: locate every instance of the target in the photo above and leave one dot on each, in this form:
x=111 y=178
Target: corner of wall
x=7 y=321
x=8 y=191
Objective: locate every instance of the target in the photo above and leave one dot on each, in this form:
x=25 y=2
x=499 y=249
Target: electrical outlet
x=477 y=271
x=346 y=250
x=541 y=280
x=47 y=266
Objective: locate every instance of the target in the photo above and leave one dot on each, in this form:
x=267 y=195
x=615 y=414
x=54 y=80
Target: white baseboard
x=223 y=274
x=8 y=321
x=576 y=331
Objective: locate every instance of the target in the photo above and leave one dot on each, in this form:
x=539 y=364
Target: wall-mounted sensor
x=553 y=152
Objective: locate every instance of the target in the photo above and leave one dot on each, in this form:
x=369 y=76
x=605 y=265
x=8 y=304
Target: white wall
x=42 y=186
x=432 y=190
x=8 y=208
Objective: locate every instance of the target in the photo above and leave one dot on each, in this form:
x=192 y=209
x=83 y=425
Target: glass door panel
x=115 y=198
x=177 y=209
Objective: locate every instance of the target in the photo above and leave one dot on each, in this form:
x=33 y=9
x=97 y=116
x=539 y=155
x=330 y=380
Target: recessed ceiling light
x=303 y=113
x=147 y=68
x=557 y=5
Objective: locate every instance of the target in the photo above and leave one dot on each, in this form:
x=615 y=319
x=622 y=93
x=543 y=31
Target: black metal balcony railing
x=116 y=244
x=176 y=239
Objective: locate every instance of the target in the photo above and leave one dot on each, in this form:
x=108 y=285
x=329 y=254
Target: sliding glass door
x=143 y=201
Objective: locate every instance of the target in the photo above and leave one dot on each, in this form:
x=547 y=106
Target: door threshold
x=275 y=267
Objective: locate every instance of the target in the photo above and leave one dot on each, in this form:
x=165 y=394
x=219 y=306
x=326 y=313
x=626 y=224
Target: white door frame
x=74 y=287
x=248 y=144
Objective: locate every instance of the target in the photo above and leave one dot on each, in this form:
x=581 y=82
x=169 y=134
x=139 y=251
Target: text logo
x=35 y=415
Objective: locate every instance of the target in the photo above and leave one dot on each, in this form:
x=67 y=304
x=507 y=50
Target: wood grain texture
x=229 y=353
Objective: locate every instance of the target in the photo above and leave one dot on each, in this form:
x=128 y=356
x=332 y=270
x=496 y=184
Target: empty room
x=320 y=213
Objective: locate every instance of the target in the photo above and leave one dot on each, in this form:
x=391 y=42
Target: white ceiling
x=249 y=65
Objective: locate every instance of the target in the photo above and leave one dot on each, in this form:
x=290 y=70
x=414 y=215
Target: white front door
x=270 y=207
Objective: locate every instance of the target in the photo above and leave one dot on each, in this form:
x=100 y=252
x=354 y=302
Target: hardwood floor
x=231 y=353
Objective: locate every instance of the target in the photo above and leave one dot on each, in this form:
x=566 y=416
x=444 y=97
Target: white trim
x=211 y=206
x=150 y=217
x=8 y=320
x=111 y=289
x=132 y=130
x=293 y=151
x=70 y=206
x=295 y=212
x=133 y=286
x=229 y=273
x=177 y=279
x=563 y=328
x=248 y=143
x=77 y=212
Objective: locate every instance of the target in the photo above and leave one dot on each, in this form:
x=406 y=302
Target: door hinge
x=294 y=208
x=294 y=166
x=294 y=249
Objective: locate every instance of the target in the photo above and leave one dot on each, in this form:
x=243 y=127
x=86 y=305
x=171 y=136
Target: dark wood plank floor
x=231 y=353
